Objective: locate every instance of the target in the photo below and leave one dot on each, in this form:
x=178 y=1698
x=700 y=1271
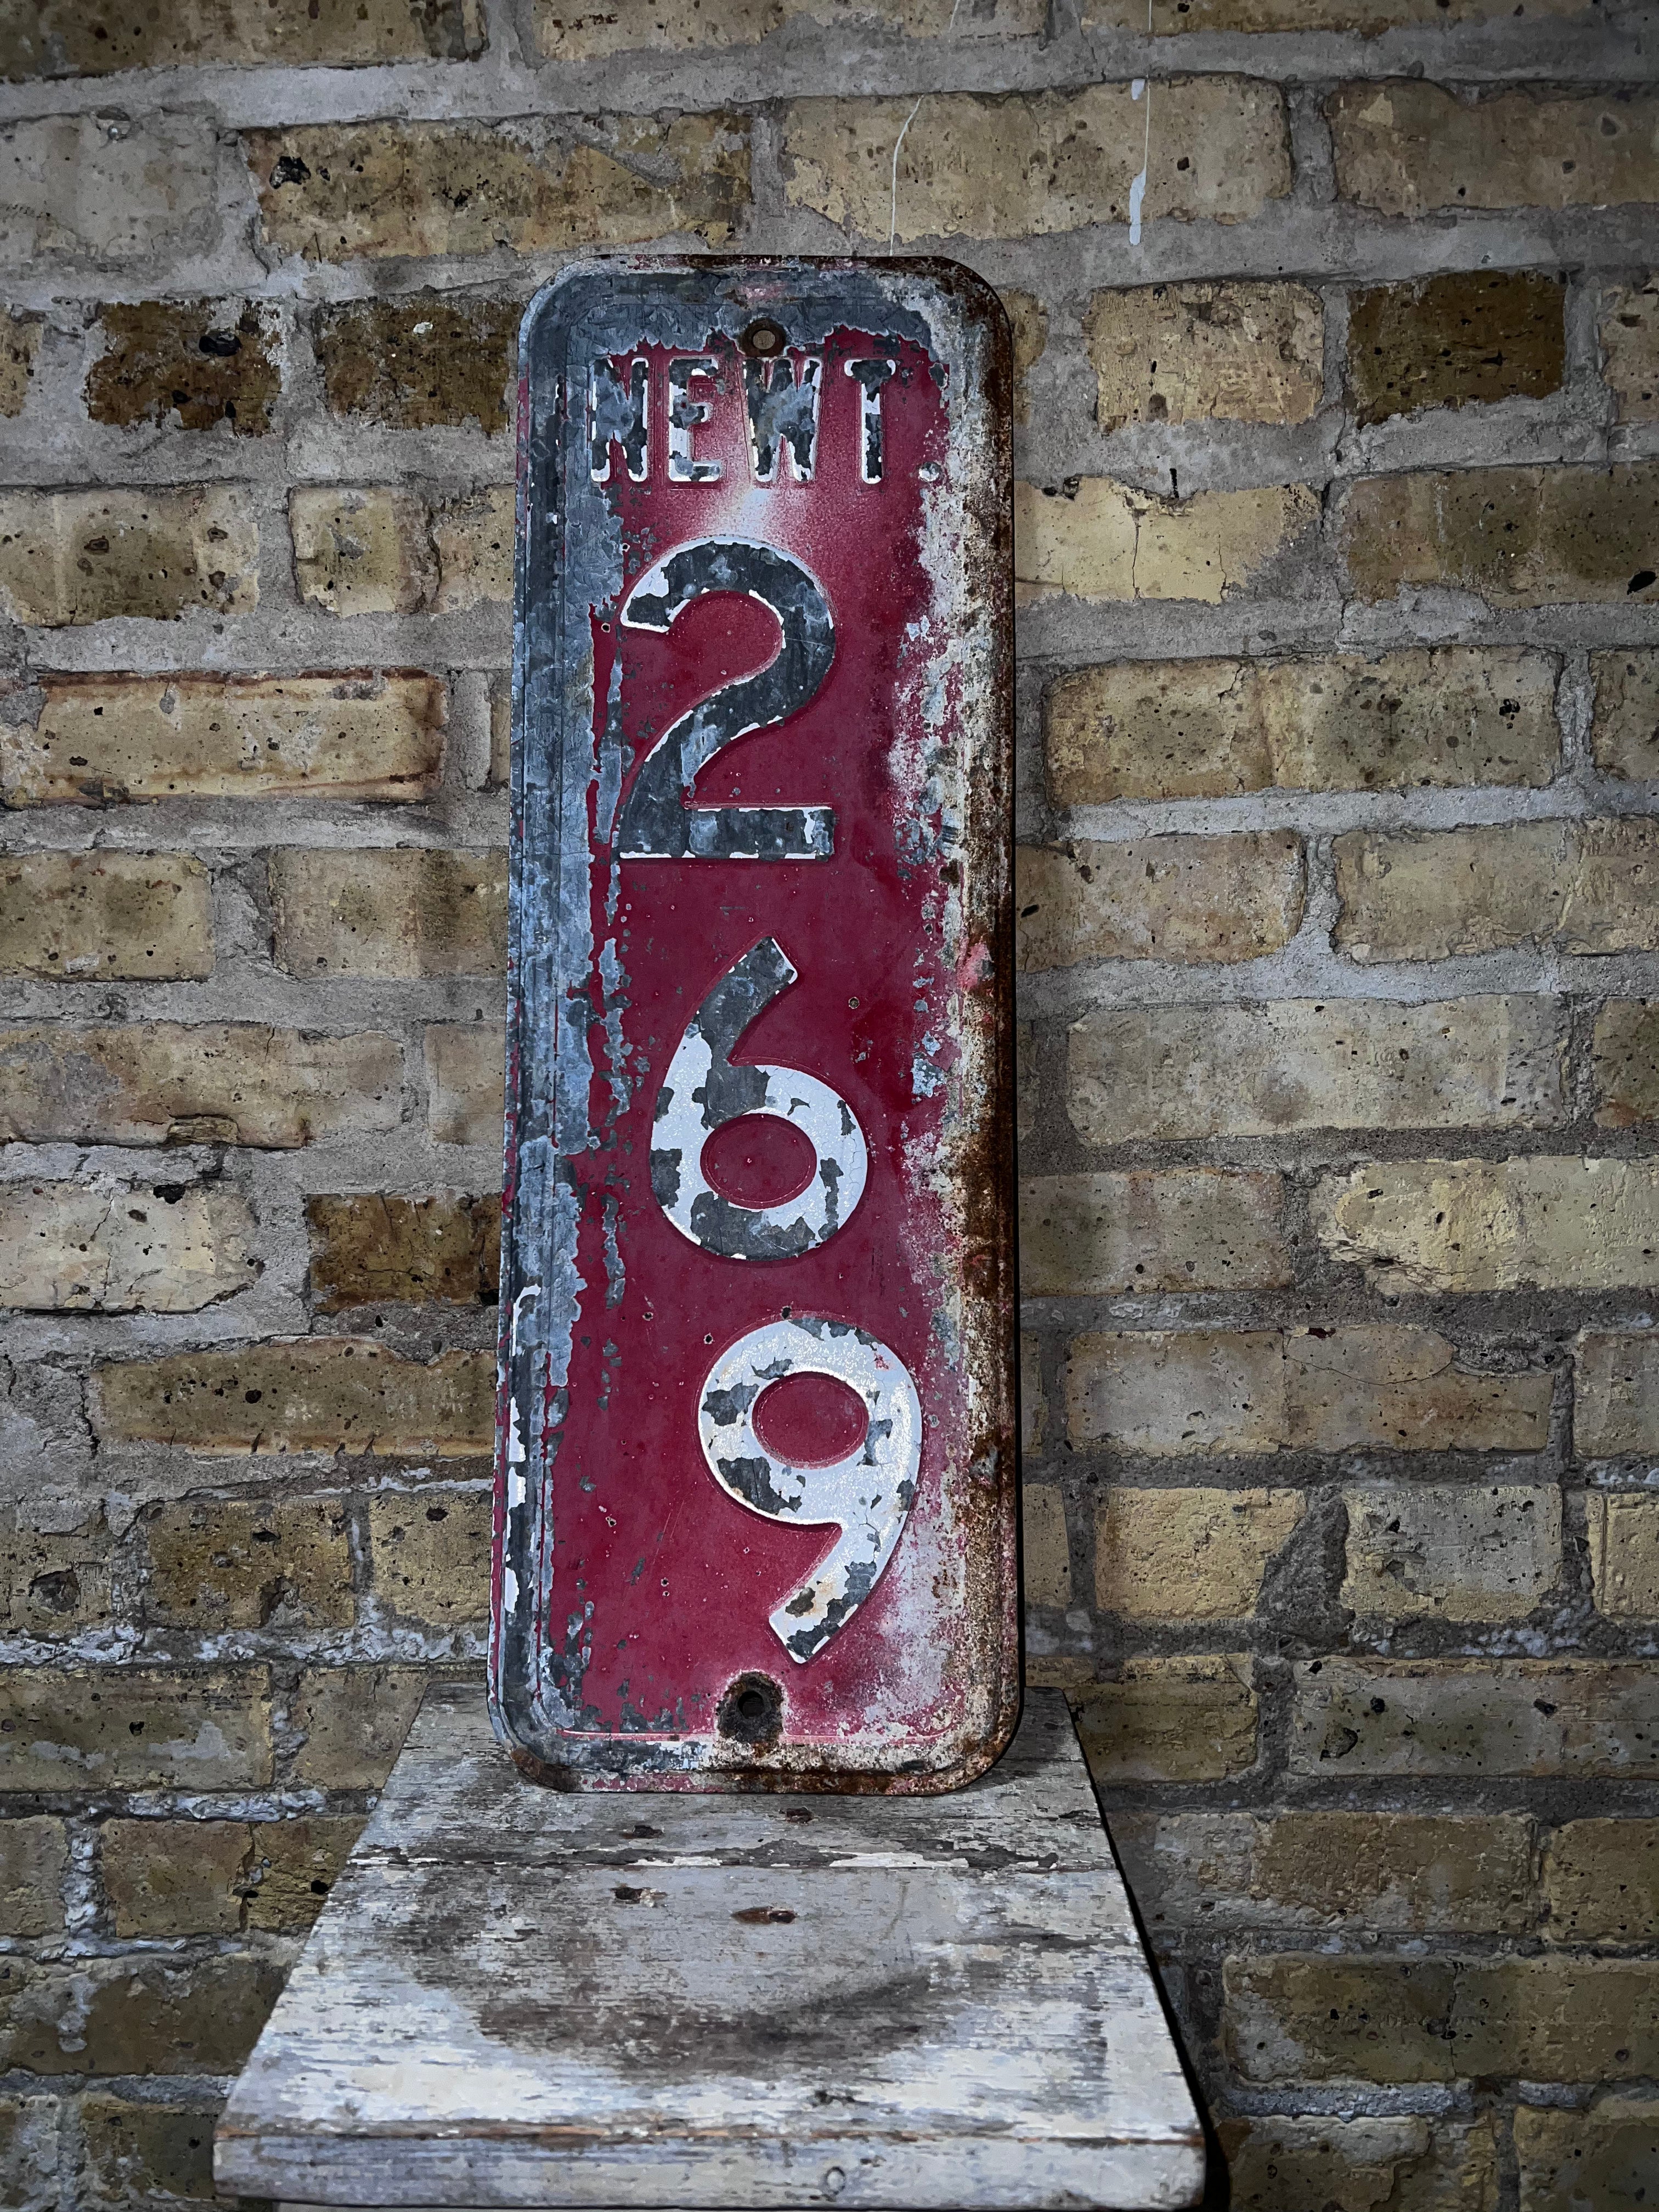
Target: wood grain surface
x=519 y=1997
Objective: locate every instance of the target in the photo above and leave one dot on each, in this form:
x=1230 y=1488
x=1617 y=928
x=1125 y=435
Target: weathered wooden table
x=520 y=1998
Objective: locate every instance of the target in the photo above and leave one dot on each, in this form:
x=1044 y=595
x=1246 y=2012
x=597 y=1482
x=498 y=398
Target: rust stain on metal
x=757 y=1513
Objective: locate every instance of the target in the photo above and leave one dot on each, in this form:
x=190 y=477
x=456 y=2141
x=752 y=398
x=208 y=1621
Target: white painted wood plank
x=515 y=1997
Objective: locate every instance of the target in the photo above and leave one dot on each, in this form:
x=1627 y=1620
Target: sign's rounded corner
x=974 y=1763
x=563 y=299
x=978 y=295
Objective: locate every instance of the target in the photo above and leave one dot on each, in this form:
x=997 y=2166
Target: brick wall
x=1339 y=527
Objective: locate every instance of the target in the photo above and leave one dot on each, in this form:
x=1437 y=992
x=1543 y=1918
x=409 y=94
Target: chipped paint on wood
x=522 y=1997
x=759 y=1136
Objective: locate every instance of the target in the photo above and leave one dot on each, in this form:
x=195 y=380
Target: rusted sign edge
x=959 y=320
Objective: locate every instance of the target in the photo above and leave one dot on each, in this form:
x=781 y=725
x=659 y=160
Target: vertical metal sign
x=756 y=1505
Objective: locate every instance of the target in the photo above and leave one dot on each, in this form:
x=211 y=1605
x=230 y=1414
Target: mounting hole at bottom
x=751 y=1711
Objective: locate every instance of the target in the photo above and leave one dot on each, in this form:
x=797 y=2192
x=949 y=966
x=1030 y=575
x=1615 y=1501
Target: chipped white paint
x=1138 y=90
x=691 y=1107
x=916 y=2001
x=527 y=1297
x=866 y=1495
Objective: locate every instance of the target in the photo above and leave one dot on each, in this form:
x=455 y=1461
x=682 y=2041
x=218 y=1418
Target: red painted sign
x=756 y=1489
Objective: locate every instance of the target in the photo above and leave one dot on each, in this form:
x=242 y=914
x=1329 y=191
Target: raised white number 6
x=868 y=1495
x=704 y=1088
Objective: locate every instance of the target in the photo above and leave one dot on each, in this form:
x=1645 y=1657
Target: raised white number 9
x=868 y=1495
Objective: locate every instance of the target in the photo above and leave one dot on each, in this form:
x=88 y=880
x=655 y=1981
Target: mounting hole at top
x=764 y=338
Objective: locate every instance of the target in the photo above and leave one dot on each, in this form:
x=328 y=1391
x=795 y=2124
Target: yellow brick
x=1626 y=735
x=142 y=2014
x=1181 y=1229
x=57 y=37
x=70 y=557
x=199 y=363
x=276 y=1563
x=1365 y=18
x=1094 y=538
x=1410 y=148
x=158 y=1083
x=102 y=189
x=386 y=913
x=1624 y=1552
x=136 y=1727
x=1602 y=2155
x=1047 y=1553
x=431 y=1553
x=1189 y=1554
x=20 y=346
x=149 y=2152
x=1207 y=729
x=1404 y=2164
x=293 y=1867
x=1389 y=1389
x=1182 y=353
x=501 y=737
x=1171 y=1720
x=55 y=1581
x=1368 y=1872
x=419 y=364
x=1403 y=1871
x=1616 y=1394
x=34 y=1855
x=1177 y=1392
x=361 y=552
x=379 y=552
x=1465 y=1225
x=1624 y=1061
x=1033 y=1406
x=1630 y=339
x=1300 y=2017
x=1253 y=1070
x=1028 y=318
x=334 y=192
x=1214 y=1391
x=1450 y=341
x=567 y=31
x=1474 y=1718
x=317 y=1394
x=1031 y=164
x=116 y=1248
x=84 y=917
x=1601 y=1882
x=352 y=1722
x=1518 y=536
x=473 y=540
x=175 y=1877
x=1457 y=1551
x=372 y=1248
x=466 y=1080
x=103 y=738
x=1183 y=898
x=1575 y=887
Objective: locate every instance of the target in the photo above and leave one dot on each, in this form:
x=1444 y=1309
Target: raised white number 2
x=658 y=821
x=868 y=1495
x=705 y=1088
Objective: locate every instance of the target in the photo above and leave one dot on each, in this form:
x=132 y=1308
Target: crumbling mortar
x=1313 y=164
